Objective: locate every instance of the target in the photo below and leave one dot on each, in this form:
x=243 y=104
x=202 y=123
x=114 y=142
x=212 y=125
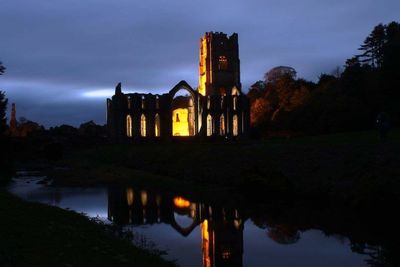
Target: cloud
x=61 y=51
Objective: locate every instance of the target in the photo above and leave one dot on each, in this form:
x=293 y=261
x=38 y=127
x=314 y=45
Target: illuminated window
x=208 y=102
x=143 y=125
x=222 y=125
x=129 y=126
x=157 y=125
x=209 y=125
x=234 y=103
x=235 y=125
x=157 y=102
x=129 y=102
x=222 y=102
x=222 y=63
x=143 y=102
x=130 y=196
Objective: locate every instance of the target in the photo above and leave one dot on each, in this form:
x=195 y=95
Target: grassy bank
x=353 y=167
x=33 y=234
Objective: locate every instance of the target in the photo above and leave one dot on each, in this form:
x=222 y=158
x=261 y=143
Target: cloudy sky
x=64 y=57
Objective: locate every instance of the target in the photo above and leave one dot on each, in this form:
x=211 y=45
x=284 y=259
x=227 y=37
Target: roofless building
x=217 y=109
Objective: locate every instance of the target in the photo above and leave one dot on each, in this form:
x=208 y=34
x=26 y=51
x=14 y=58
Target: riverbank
x=34 y=234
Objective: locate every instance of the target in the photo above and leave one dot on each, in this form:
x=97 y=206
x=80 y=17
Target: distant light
x=99 y=93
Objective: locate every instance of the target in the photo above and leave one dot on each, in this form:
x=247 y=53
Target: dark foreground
x=33 y=234
x=351 y=169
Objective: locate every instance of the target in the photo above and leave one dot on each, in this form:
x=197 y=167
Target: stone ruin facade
x=217 y=109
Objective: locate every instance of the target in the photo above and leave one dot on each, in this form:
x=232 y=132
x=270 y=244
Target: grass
x=34 y=234
x=354 y=166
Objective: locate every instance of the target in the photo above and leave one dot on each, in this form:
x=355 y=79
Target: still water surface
x=195 y=233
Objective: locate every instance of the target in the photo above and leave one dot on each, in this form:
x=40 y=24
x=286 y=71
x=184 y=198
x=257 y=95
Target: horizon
x=63 y=60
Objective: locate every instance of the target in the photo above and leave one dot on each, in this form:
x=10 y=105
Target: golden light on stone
x=181 y=202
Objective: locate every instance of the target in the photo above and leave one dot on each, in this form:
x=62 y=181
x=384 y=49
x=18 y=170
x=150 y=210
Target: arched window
x=208 y=102
x=129 y=126
x=129 y=102
x=222 y=125
x=143 y=102
x=209 y=125
x=157 y=102
x=222 y=63
x=234 y=102
x=143 y=125
x=235 y=130
x=157 y=125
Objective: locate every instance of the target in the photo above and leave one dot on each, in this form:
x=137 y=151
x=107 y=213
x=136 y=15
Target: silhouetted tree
x=3 y=106
x=277 y=72
x=2 y=68
x=373 y=47
x=3 y=118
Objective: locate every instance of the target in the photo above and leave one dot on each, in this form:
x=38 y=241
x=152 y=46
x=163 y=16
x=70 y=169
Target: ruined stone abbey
x=217 y=109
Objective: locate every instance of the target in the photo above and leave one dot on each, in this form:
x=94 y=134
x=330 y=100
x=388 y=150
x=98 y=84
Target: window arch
x=143 y=102
x=143 y=125
x=234 y=102
x=222 y=125
x=235 y=130
x=157 y=125
x=157 y=102
x=235 y=91
x=129 y=126
x=209 y=125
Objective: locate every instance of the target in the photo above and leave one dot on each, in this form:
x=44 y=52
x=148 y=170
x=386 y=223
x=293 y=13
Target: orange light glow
x=180 y=122
x=180 y=202
x=205 y=244
x=130 y=196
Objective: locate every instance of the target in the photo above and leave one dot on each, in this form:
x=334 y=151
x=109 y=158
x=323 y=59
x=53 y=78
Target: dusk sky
x=64 y=58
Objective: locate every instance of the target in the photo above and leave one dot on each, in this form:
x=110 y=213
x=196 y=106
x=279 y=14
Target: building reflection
x=221 y=228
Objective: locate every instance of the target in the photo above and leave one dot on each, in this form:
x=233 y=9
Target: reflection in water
x=219 y=233
x=221 y=228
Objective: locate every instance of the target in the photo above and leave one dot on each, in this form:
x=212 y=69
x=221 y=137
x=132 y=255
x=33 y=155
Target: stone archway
x=183 y=115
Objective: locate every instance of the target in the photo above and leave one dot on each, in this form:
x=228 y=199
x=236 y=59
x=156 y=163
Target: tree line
x=348 y=100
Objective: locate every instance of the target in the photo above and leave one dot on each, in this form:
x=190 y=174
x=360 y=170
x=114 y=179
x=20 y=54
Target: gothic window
x=157 y=102
x=208 y=102
x=209 y=125
x=143 y=102
x=129 y=102
x=143 y=125
x=157 y=126
x=222 y=63
x=234 y=103
x=222 y=125
x=235 y=125
x=129 y=126
x=222 y=102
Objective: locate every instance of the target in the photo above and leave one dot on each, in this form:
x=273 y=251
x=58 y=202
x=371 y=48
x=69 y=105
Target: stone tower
x=219 y=69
